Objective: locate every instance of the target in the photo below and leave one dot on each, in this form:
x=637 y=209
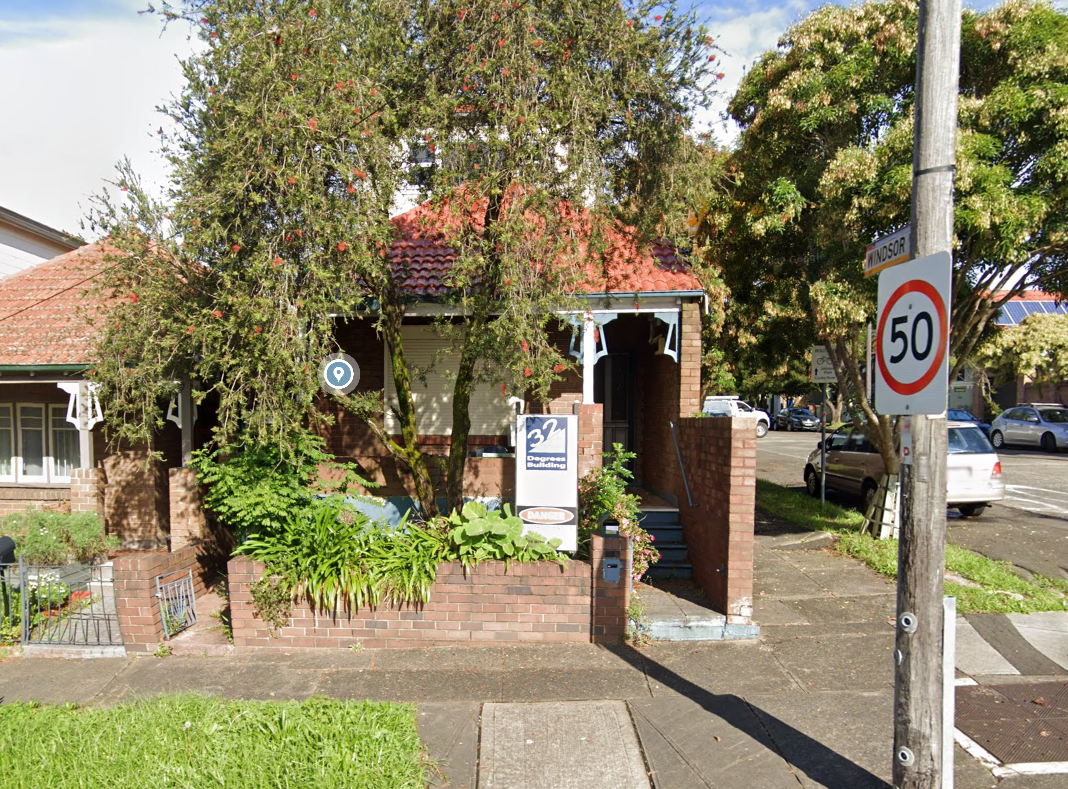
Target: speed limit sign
x=912 y=339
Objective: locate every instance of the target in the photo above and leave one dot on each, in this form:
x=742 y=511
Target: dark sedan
x=960 y=415
x=796 y=419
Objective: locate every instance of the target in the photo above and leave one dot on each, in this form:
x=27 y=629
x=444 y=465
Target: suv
x=1036 y=424
x=973 y=470
x=730 y=405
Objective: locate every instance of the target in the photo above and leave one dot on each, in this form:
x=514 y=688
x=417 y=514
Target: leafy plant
x=162 y=650
x=603 y=495
x=272 y=601
x=637 y=625
x=479 y=534
x=56 y=537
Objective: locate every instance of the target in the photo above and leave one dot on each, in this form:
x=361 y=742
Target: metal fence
x=177 y=602
x=58 y=605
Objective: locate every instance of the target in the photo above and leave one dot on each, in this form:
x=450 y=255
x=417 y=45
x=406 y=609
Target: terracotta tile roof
x=43 y=310
x=422 y=257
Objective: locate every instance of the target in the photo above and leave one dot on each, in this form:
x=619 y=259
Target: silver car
x=1036 y=424
x=973 y=470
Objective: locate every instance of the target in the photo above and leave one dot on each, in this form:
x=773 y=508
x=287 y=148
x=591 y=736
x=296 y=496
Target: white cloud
x=78 y=95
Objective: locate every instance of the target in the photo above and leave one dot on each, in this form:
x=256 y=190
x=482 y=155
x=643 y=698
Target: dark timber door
x=614 y=387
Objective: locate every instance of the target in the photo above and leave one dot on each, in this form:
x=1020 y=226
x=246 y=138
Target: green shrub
x=56 y=537
x=478 y=534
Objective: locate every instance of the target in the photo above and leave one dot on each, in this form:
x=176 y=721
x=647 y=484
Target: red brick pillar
x=610 y=599
x=188 y=523
x=591 y=436
x=690 y=359
x=86 y=491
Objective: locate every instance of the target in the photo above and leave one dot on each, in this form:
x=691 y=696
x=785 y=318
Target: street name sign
x=888 y=251
x=822 y=367
x=546 y=476
x=912 y=338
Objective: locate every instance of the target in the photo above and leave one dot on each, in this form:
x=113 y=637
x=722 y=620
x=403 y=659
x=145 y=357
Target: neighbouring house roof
x=422 y=257
x=1030 y=302
x=38 y=229
x=44 y=311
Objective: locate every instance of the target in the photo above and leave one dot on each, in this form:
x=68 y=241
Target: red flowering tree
x=537 y=125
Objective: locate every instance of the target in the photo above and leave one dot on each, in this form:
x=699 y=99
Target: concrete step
x=680 y=570
x=666 y=533
x=672 y=553
x=657 y=516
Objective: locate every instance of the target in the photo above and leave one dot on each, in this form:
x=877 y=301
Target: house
x=53 y=452
x=24 y=242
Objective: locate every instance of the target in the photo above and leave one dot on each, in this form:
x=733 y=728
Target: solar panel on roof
x=1016 y=312
x=1031 y=307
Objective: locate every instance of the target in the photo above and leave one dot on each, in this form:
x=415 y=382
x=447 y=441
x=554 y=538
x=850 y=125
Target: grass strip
x=998 y=590
x=195 y=741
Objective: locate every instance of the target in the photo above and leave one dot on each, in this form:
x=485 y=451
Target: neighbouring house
x=24 y=242
x=53 y=452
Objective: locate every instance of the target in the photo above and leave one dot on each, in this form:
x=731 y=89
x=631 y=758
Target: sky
x=80 y=81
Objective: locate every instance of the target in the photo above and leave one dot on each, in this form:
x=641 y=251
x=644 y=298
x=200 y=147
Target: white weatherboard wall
x=20 y=249
x=490 y=413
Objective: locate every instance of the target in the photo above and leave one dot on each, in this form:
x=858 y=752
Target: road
x=1029 y=528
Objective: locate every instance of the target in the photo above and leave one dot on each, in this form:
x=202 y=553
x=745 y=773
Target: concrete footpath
x=807 y=704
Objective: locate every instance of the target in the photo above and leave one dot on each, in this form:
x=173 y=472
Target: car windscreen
x=968 y=441
x=803 y=412
x=1054 y=414
x=717 y=407
x=960 y=416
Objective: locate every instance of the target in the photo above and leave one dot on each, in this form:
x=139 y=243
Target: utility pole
x=918 y=679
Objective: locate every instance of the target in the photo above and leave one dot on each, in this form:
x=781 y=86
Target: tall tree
x=546 y=122
x=823 y=166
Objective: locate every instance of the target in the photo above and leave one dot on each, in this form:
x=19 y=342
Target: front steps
x=663 y=524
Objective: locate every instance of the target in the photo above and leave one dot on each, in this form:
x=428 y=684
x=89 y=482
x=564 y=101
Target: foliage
x=824 y=165
x=299 y=126
x=603 y=495
x=478 y=534
x=196 y=741
x=1037 y=348
x=57 y=538
x=272 y=600
x=162 y=650
x=10 y=614
x=256 y=487
x=637 y=624
x=994 y=587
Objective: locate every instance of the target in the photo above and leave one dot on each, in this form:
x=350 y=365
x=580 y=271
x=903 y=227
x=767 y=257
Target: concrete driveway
x=1029 y=528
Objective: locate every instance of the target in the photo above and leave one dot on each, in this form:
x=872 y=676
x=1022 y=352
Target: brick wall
x=87 y=490
x=591 y=437
x=19 y=498
x=188 y=521
x=610 y=600
x=135 y=592
x=135 y=500
x=720 y=458
x=540 y=602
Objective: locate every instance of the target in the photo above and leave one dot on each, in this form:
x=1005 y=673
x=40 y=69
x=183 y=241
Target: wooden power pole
x=918 y=740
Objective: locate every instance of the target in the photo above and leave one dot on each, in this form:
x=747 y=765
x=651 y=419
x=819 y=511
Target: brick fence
x=539 y=602
x=135 y=592
x=720 y=458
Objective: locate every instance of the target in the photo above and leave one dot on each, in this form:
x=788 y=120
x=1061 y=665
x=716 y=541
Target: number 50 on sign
x=912 y=338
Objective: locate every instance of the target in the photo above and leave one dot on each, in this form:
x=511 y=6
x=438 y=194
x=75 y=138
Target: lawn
x=992 y=586
x=194 y=741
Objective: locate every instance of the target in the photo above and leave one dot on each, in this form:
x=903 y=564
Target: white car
x=730 y=405
x=973 y=469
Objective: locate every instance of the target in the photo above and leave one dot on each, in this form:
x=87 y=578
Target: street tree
x=544 y=125
x=824 y=165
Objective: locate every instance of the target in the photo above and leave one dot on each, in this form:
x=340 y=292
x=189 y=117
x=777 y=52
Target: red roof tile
x=422 y=257
x=43 y=310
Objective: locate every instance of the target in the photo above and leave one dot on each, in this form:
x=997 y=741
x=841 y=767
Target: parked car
x=973 y=469
x=730 y=405
x=1042 y=425
x=960 y=415
x=796 y=419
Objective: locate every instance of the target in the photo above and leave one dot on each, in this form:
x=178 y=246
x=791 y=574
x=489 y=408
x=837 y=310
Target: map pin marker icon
x=339 y=373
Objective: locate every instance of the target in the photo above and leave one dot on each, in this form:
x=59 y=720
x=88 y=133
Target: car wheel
x=1048 y=443
x=762 y=429
x=972 y=510
x=789 y=427
x=867 y=493
x=997 y=439
x=812 y=481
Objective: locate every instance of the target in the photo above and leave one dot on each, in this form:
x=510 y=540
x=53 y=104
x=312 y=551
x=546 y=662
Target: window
x=838 y=440
x=66 y=453
x=32 y=443
x=968 y=441
x=7 y=443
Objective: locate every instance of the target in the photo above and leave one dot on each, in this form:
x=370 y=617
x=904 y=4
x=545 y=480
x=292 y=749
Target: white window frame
x=53 y=475
x=14 y=445
x=19 y=475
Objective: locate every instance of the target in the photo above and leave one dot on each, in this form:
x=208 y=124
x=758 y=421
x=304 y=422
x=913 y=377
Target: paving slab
x=385 y=685
x=449 y=730
x=57 y=680
x=488 y=658
x=777 y=578
x=564 y=745
x=838 y=575
x=696 y=670
x=312 y=658
x=845 y=610
x=572 y=684
x=856 y=663
x=768 y=612
x=1047 y=632
x=272 y=682
x=546 y=656
x=833 y=740
x=720 y=743
x=975 y=657
x=146 y=677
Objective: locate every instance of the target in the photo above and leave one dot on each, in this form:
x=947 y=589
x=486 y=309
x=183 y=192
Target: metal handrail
x=682 y=466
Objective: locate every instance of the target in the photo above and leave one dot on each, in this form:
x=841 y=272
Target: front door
x=614 y=387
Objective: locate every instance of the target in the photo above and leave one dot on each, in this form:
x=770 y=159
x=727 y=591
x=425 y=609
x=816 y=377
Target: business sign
x=822 y=366
x=912 y=338
x=546 y=477
x=888 y=251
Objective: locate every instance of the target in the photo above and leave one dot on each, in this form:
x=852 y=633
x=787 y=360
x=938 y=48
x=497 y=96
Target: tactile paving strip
x=1017 y=722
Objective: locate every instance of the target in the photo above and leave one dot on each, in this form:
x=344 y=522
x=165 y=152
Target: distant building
x=24 y=242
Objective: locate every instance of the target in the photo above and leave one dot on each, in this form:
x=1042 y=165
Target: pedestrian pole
x=823 y=451
x=918 y=677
